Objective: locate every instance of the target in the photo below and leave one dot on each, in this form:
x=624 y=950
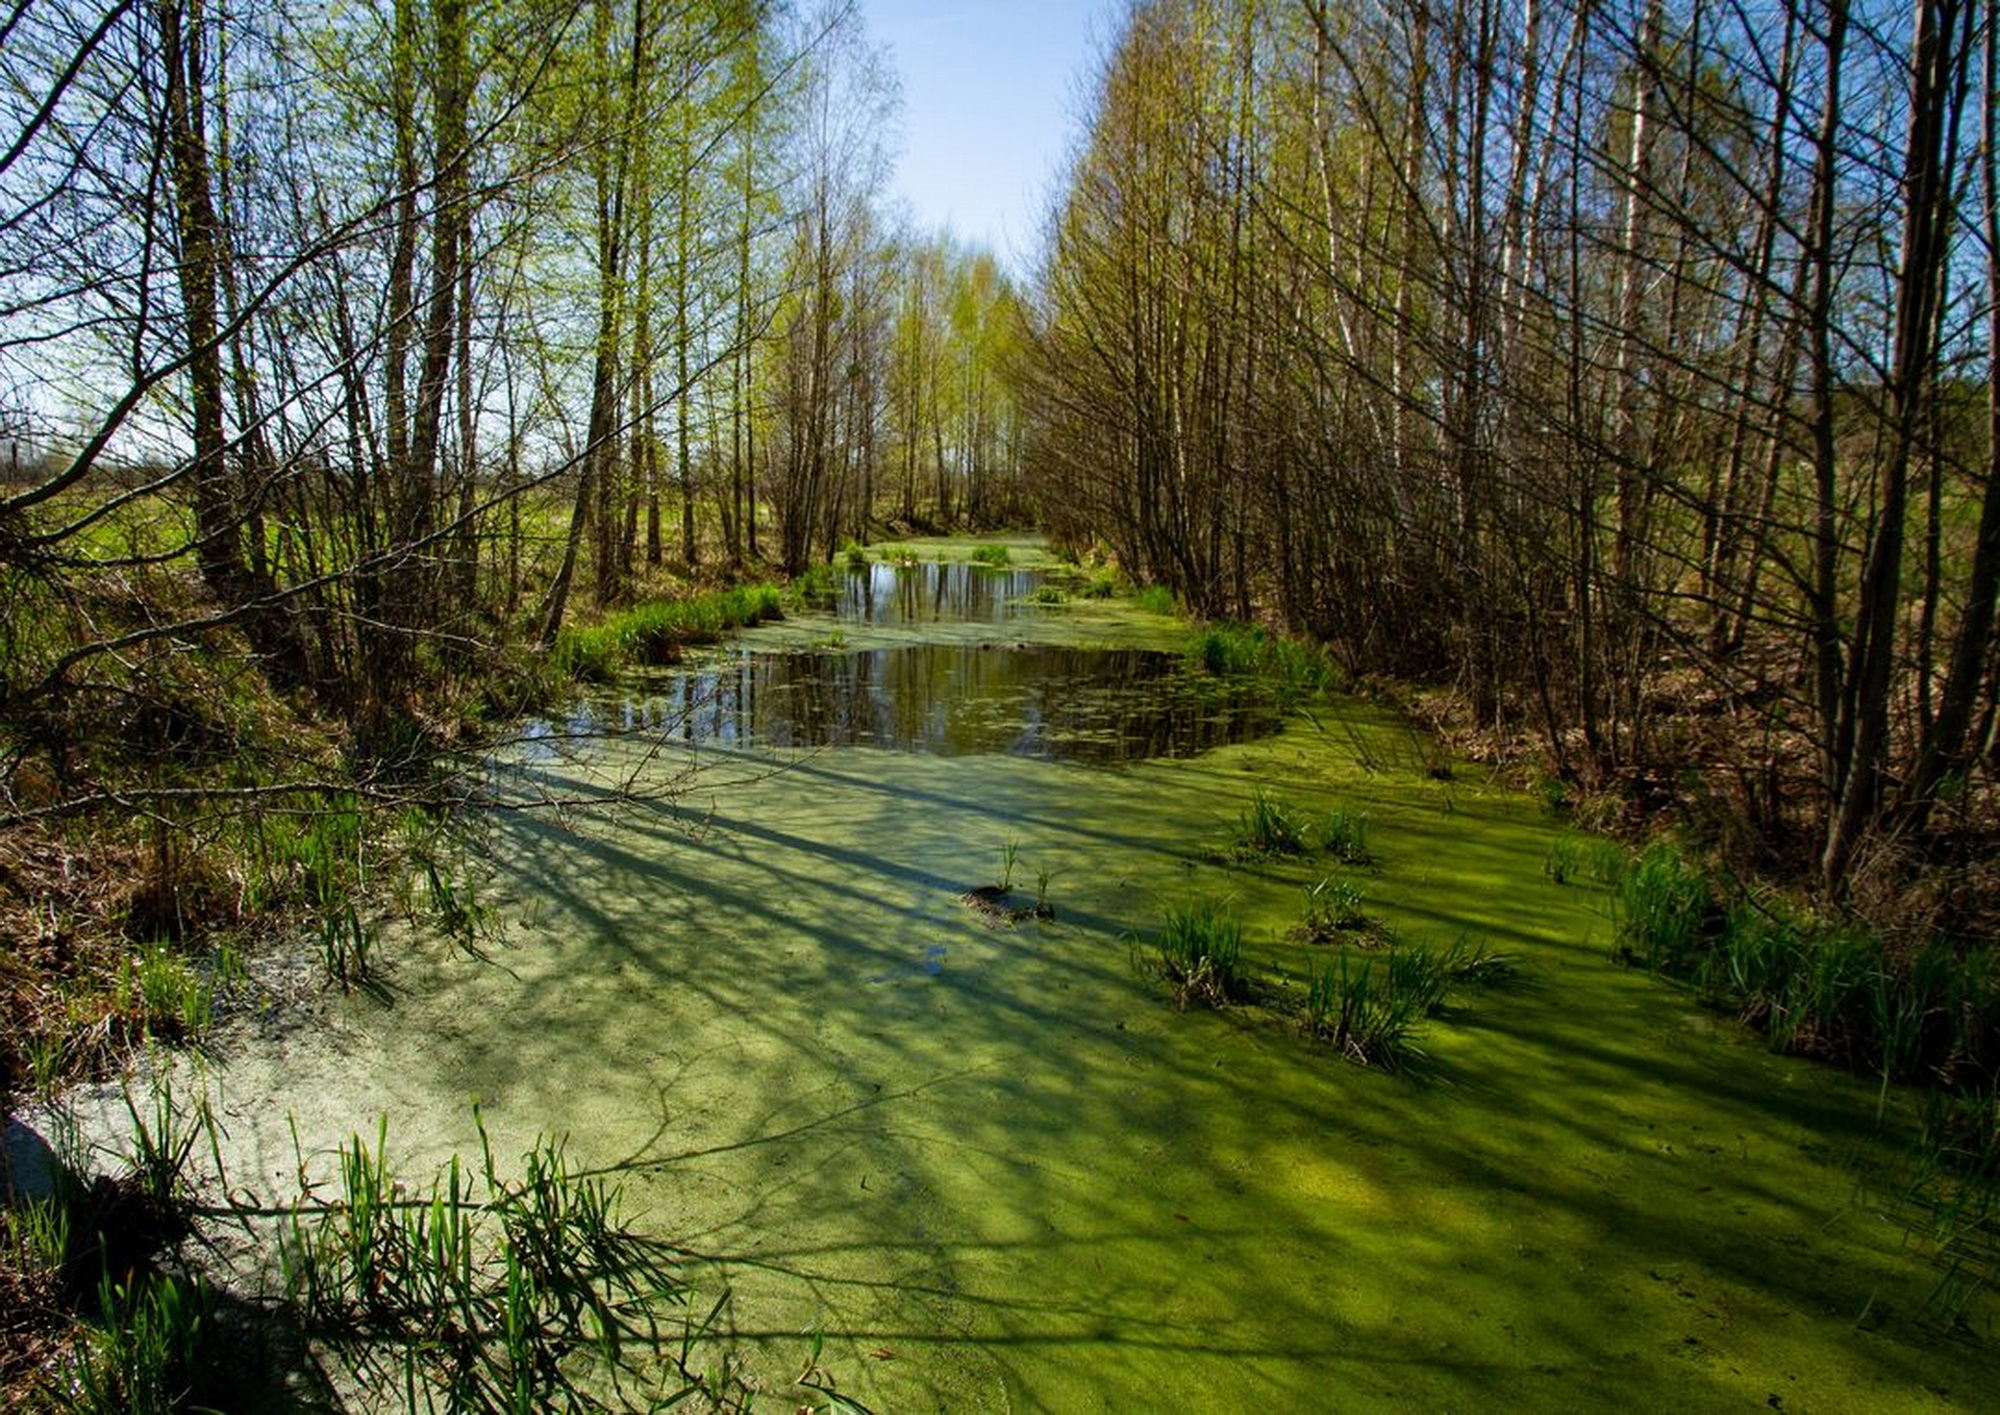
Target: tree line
x=375 y=338
x=1628 y=366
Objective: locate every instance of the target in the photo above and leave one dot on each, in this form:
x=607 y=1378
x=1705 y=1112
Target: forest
x=1608 y=385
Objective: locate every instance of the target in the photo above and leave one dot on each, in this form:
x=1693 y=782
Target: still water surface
x=1059 y=702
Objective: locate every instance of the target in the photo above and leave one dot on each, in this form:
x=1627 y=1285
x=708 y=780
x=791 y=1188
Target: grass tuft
x=661 y=631
x=1268 y=826
x=1333 y=907
x=1343 y=834
x=1199 y=951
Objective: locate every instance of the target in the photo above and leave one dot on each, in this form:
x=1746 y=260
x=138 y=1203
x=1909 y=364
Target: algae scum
x=981 y=1155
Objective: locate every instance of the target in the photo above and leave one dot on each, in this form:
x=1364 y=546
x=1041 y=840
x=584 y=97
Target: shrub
x=993 y=557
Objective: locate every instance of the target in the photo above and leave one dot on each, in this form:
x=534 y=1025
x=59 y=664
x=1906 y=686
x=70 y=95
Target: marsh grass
x=993 y=557
x=1371 y=1011
x=1333 y=906
x=1293 y=669
x=816 y=587
x=661 y=631
x=1368 y=1016
x=1268 y=826
x=1343 y=834
x=347 y=948
x=1157 y=599
x=1585 y=859
x=1926 y=1012
x=93 y=1279
x=170 y=998
x=141 y=1350
x=1198 y=952
x=485 y=1293
x=856 y=556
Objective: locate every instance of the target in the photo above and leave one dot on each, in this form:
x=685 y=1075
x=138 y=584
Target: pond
x=984 y=1163
x=1059 y=701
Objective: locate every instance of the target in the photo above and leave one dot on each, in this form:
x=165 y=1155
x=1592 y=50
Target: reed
x=1198 y=952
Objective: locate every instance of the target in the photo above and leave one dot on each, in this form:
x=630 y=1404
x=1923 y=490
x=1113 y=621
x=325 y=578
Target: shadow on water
x=994 y=1169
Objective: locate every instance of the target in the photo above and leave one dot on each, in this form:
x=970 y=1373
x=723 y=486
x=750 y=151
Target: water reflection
x=1085 y=705
x=885 y=594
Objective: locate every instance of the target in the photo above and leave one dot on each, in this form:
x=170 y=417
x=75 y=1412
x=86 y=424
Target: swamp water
x=994 y=1166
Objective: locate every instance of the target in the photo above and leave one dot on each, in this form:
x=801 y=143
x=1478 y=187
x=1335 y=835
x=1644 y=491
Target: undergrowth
x=1294 y=669
x=660 y=632
x=1925 y=1013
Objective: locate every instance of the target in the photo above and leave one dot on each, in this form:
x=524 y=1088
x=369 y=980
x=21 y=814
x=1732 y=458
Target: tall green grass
x=484 y=1293
x=1295 y=670
x=1372 y=1012
x=1198 y=952
x=660 y=632
x=1268 y=826
x=1928 y=1012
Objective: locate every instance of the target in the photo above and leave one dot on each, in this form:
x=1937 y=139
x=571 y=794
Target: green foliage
x=1268 y=826
x=817 y=587
x=141 y=1348
x=1664 y=911
x=1198 y=951
x=1475 y=965
x=1343 y=834
x=93 y=1268
x=661 y=631
x=436 y=865
x=1951 y=1183
x=1295 y=670
x=856 y=556
x=1050 y=594
x=488 y=1294
x=993 y=557
x=1367 y=1017
x=1157 y=599
x=1831 y=990
x=167 y=996
x=1372 y=1013
x=1333 y=906
x=346 y=947
x=1593 y=859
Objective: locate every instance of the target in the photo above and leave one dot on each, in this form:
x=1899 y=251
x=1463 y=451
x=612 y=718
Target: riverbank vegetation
x=1624 y=372
x=1619 y=378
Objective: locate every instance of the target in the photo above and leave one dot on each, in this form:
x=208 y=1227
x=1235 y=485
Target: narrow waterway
x=992 y=1165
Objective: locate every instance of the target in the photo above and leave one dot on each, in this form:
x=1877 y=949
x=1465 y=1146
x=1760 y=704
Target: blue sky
x=991 y=96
